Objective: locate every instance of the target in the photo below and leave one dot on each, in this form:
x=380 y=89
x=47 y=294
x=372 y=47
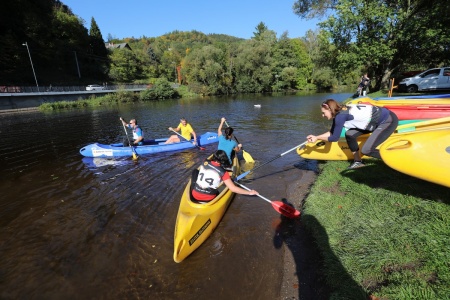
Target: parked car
x=431 y=80
x=94 y=87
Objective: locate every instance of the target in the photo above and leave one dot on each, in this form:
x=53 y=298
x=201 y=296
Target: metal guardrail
x=62 y=89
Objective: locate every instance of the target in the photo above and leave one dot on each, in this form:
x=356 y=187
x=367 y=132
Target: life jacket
x=365 y=116
x=209 y=178
x=135 y=136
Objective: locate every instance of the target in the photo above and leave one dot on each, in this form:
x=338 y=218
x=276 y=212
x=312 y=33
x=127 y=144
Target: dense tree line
x=61 y=47
x=219 y=64
x=381 y=37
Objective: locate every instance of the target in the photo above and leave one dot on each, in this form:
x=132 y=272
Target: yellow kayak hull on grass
x=424 y=155
x=339 y=150
x=196 y=221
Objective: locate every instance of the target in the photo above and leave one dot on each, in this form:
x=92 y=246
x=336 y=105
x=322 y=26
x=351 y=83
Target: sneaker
x=356 y=165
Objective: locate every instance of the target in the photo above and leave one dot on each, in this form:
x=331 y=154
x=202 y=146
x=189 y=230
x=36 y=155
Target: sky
x=153 y=18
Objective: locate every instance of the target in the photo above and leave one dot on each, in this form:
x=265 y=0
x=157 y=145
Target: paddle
x=193 y=143
x=281 y=207
x=246 y=155
x=270 y=160
x=135 y=157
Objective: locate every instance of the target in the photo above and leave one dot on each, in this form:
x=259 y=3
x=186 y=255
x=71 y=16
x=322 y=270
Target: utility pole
x=32 y=67
x=78 y=67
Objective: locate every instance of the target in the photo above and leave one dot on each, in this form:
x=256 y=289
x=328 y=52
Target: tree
x=162 y=89
x=252 y=66
x=260 y=29
x=97 y=43
x=206 y=71
x=125 y=67
x=25 y=21
x=309 y=9
x=292 y=66
x=54 y=36
x=383 y=36
x=305 y=64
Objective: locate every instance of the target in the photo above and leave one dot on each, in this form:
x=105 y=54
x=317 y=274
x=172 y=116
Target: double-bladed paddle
x=193 y=143
x=248 y=158
x=135 y=157
x=270 y=160
x=279 y=206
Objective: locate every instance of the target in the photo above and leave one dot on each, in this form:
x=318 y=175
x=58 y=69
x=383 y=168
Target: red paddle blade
x=285 y=209
x=199 y=147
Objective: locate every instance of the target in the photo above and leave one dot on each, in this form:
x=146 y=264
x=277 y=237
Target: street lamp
x=37 y=85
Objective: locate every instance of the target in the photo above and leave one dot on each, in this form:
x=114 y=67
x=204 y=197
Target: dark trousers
x=378 y=136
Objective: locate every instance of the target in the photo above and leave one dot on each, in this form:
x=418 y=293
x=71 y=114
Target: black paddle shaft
x=237 y=141
x=269 y=161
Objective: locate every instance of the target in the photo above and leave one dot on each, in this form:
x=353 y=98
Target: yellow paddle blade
x=247 y=156
x=135 y=156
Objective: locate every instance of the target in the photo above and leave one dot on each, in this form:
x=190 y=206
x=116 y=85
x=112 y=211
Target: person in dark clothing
x=363 y=84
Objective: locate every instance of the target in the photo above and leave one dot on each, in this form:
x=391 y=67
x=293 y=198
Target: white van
x=430 y=80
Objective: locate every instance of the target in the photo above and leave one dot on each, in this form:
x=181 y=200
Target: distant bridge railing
x=68 y=88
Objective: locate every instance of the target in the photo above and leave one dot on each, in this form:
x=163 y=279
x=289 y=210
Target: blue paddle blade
x=242 y=175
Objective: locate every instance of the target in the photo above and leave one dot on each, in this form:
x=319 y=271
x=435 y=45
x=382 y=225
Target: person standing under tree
x=363 y=84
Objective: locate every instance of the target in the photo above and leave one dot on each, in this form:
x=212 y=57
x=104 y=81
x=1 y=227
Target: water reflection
x=103 y=228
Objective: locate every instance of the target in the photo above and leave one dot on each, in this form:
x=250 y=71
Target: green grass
x=380 y=232
x=161 y=90
x=121 y=96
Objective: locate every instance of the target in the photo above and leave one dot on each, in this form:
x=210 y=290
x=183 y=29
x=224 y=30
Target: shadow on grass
x=378 y=175
x=311 y=268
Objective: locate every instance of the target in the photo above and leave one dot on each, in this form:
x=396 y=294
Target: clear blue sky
x=153 y=18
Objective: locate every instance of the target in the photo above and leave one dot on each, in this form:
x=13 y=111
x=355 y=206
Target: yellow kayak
x=425 y=155
x=400 y=102
x=339 y=150
x=196 y=221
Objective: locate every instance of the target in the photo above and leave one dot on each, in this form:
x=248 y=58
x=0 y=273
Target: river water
x=83 y=228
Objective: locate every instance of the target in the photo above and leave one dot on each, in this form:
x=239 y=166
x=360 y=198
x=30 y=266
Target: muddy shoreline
x=302 y=277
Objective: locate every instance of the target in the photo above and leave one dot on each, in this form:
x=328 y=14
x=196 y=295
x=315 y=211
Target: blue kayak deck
x=149 y=147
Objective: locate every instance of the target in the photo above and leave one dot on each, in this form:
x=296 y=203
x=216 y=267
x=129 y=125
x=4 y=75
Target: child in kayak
x=226 y=142
x=206 y=180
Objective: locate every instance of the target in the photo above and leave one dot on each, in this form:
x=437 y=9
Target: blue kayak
x=149 y=147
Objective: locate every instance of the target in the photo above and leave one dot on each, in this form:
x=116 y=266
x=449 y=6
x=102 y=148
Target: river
x=83 y=228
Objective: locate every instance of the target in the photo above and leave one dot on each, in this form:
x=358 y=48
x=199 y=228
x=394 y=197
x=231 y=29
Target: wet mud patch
x=302 y=277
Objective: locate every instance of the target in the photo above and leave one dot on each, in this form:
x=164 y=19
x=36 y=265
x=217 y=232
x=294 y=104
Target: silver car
x=94 y=87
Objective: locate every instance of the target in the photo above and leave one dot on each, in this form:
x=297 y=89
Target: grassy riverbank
x=161 y=90
x=380 y=232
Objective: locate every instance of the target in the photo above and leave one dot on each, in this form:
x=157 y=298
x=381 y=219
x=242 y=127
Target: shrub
x=162 y=89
